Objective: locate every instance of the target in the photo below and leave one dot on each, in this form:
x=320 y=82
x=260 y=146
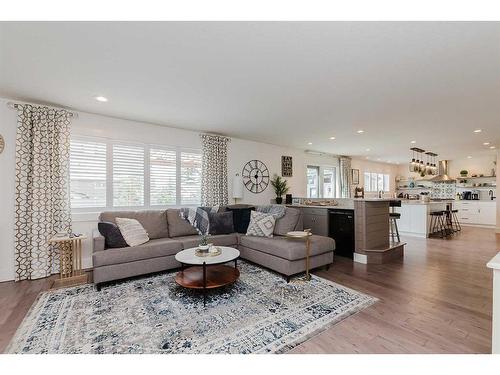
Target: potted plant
x=204 y=245
x=280 y=188
x=464 y=173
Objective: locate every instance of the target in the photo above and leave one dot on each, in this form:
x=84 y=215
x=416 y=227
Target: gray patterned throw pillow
x=261 y=224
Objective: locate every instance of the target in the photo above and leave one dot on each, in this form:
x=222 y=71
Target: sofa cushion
x=218 y=240
x=155 y=248
x=154 y=221
x=290 y=249
x=132 y=231
x=112 y=236
x=177 y=226
x=221 y=223
x=288 y=222
x=261 y=224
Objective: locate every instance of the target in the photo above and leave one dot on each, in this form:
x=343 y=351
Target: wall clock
x=255 y=176
x=2 y=144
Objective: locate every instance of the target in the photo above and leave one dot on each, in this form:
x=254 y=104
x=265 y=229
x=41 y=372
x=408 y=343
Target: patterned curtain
x=345 y=177
x=214 y=170
x=42 y=205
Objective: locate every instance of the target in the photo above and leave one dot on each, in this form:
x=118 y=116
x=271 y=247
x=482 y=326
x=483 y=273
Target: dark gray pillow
x=221 y=222
x=112 y=236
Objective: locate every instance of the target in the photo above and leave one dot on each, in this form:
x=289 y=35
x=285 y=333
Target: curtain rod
x=13 y=105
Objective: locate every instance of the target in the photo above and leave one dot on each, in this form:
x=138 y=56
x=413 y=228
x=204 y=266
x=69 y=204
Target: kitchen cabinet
x=316 y=219
x=477 y=212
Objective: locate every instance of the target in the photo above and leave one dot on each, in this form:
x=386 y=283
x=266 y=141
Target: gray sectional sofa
x=169 y=234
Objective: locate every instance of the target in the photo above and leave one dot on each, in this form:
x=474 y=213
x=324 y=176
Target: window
x=163 y=177
x=87 y=174
x=375 y=182
x=128 y=176
x=107 y=174
x=329 y=182
x=321 y=182
x=312 y=182
x=190 y=178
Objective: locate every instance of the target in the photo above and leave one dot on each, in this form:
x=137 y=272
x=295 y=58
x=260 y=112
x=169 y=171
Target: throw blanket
x=277 y=210
x=198 y=217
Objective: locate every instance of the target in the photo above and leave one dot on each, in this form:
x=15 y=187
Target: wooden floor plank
x=435 y=300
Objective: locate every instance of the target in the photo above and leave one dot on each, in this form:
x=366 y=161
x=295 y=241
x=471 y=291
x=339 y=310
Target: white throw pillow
x=261 y=224
x=132 y=231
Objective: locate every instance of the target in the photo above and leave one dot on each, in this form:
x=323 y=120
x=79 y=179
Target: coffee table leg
x=236 y=263
x=204 y=284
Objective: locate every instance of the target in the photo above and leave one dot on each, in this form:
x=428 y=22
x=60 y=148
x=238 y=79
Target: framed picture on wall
x=355 y=176
x=286 y=166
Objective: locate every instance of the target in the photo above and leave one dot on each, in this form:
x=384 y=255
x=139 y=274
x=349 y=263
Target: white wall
x=7 y=187
x=240 y=152
x=370 y=166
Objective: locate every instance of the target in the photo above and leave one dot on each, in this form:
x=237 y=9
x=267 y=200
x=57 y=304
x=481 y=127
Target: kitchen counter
x=420 y=202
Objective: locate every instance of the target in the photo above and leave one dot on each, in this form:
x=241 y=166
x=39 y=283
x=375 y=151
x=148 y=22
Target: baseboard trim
x=360 y=258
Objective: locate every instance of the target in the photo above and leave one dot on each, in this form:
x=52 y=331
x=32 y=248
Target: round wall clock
x=255 y=176
x=2 y=144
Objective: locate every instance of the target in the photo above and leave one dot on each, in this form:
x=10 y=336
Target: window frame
x=321 y=189
x=375 y=176
x=147 y=173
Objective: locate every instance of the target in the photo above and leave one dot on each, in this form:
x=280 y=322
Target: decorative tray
x=202 y=254
x=299 y=234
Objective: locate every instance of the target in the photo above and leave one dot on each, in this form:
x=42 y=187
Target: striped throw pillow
x=132 y=231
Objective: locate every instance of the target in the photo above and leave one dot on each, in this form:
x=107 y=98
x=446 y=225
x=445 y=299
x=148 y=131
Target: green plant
x=464 y=172
x=204 y=240
x=280 y=185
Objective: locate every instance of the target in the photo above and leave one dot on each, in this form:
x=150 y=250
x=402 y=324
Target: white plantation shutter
x=87 y=174
x=105 y=174
x=190 y=178
x=163 y=177
x=128 y=176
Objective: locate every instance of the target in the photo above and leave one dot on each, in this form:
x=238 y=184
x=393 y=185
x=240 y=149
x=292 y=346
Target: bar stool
x=437 y=224
x=393 y=218
x=454 y=223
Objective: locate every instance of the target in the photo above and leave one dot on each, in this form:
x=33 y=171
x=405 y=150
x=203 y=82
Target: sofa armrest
x=98 y=243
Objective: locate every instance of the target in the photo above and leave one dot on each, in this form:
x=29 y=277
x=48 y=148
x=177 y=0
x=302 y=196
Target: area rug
x=260 y=313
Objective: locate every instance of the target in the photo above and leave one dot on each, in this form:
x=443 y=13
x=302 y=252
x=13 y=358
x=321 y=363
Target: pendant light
x=413 y=163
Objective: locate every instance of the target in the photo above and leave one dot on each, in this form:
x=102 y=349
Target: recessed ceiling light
x=360 y=131
x=367 y=149
x=478 y=131
x=469 y=157
x=101 y=99
x=413 y=142
x=486 y=143
x=492 y=147
x=309 y=143
x=332 y=138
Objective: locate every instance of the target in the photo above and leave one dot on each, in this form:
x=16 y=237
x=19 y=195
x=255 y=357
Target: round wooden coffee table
x=207 y=272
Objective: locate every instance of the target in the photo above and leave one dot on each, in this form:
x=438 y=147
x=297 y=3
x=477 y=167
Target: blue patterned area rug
x=260 y=313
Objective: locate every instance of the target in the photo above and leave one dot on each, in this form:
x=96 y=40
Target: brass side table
x=304 y=236
x=70 y=261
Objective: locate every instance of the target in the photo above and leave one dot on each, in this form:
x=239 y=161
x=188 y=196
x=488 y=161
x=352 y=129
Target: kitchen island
x=365 y=238
x=415 y=216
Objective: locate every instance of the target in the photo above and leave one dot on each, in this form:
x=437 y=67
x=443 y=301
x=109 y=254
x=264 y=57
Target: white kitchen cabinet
x=487 y=213
x=476 y=212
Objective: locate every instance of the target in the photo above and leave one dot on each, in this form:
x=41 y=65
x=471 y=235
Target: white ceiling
x=286 y=83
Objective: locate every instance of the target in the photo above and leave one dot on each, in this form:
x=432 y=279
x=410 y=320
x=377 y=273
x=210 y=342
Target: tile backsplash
x=443 y=190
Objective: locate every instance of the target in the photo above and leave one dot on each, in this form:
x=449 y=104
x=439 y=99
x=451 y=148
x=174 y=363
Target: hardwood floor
x=436 y=300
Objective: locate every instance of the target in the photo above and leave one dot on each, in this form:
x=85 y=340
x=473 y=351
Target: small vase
x=279 y=200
